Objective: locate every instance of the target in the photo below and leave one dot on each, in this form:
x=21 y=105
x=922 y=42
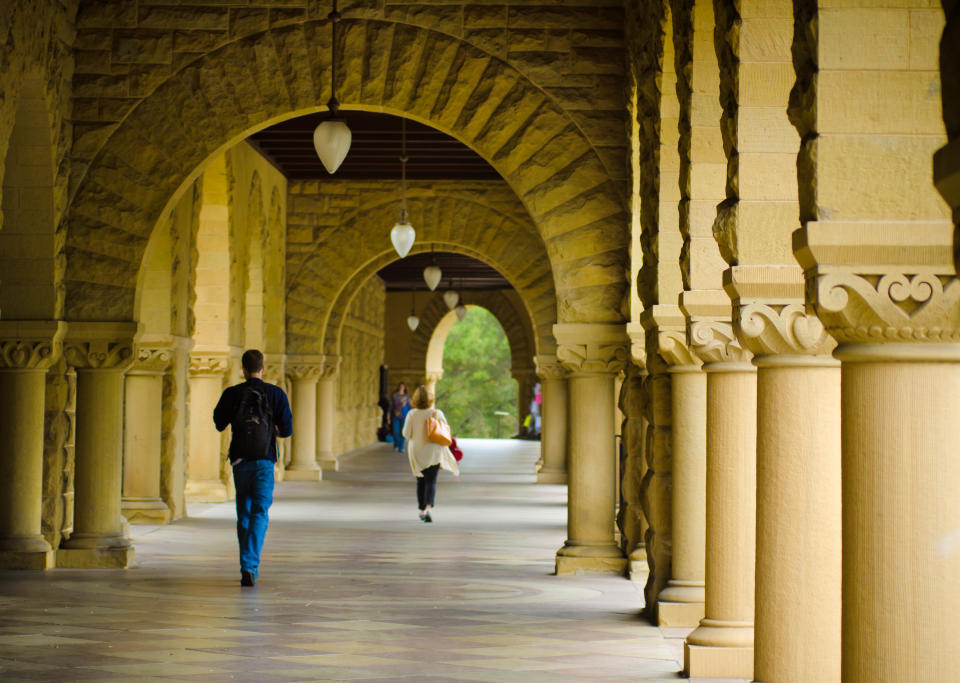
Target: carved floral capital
x=549 y=367
x=152 y=359
x=30 y=345
x=673 y=348
x=99 y=354
x=781 y=329
x=304 y=372
x=331 y=366
x=433 y=375
x=209 y=364
x=714 y=341
x=592 y=348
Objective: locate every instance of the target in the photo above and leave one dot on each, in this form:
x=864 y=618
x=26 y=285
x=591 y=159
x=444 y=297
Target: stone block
x=767 y=130
x=863 y=38
x=484 y=16
x=198 y=18
x=285 y=16
x=198 y=41
x=591 y=565
x=94 y=558
x=564 y=17
x=92 y=62
x=926 y=28
x=870 y=102
x=93 y=39
x=679 y=614
x=765 y=84
x=766 y=39
x=717 y=662
x=12 y=559
x=303 y=475
x=491 y=40
x=764 y=229
x=143 y=47
x=768 y=176
x=106 y=14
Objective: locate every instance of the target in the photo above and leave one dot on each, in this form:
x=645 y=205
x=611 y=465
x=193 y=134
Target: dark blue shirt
x=276 y=399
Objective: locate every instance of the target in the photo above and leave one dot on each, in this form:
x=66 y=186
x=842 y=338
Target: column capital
x=769 y=314
x=592 y=347
x=517 y=373
x=304 y=368
x=274 y=368
x=100 y=346
x=151 y=359
x=331 y=366
x=209 y=363
x=638 y=343
x=710 y=329
x=666 y=328
x=549 y=367
x=433 y=375
x=908 y=291
x=30 y=345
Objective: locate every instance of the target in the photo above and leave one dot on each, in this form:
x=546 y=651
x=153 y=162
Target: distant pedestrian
x=399 y=406
x=426 y=457
x=257 y=413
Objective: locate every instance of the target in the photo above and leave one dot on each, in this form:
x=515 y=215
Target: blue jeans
x=398 y=433
x=253 y=480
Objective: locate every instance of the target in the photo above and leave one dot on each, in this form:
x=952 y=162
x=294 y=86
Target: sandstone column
x=526 y=379
x=631 y=519
x=681 y=602
x=27 y=350
x=554 y=422
x=878 y=256
x=142 y=433
x=327 y=411
x=304 y=373
x=897 y=328
x=208 y=371
x=275 y=372
x=798 y=476
x=722 y=646
x=100 y=352
x=593 y=354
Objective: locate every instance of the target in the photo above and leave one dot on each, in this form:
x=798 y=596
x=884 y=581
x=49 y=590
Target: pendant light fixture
x=332 y=138
x=412 y=319
x=450 y=298
x=432 y=273
x=403 y=234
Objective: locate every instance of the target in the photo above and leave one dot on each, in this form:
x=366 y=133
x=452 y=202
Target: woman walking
x=426 y=457
x=400 y=404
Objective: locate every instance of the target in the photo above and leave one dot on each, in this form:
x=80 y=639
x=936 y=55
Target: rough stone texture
x=338 y=236
x=547 y=114
x=631 y=520
x=58 y=461
x=949 y=72
x=358 y=415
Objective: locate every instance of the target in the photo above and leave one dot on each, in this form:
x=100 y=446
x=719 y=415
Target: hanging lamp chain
x=333 y=104
x=403 y=170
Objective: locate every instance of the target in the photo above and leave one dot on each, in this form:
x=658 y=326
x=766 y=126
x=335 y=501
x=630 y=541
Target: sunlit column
x=205 y=484
x=593 y=354
x=327 y=411
x=304 y=373
x=142 y=435
x=554 y=421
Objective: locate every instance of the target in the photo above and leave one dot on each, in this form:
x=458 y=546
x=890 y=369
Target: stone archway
x=224 y=95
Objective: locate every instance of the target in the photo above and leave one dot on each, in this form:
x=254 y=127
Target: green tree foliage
x=476 y=377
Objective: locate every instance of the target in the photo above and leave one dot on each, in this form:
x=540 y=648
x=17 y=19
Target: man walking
x=257 y=413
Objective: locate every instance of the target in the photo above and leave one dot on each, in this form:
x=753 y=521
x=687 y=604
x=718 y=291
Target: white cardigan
x=422 y=452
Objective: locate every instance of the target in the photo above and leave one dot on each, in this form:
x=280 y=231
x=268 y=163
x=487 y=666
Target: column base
x=328 y=461
x=145 y=511
x=681 y=603
x=303 y=475
x=206 y=491
x=552 y=477
x=637 y=567
x=584 y=559
x=95 y=558
x=27 y=559
x=719 y=649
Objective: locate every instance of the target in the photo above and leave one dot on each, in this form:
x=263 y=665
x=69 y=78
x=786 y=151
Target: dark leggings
x=427 y=486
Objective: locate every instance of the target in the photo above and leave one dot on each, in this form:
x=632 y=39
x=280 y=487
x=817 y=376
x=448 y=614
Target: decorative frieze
x=908 y=292
x=205 y=365
x=714 y=341
x=331 y=366
x=30 y=345
x=100 y=346
x=549 y=367
x=592 y=348
x=151 y=359
x=305 y=368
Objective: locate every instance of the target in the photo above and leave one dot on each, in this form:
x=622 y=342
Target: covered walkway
x=353 y=587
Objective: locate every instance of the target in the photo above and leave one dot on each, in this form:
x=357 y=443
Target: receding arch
x=32 y=287
x=258 y=80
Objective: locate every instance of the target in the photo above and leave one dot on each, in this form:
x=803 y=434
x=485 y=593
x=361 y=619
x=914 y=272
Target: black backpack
x=252 y=425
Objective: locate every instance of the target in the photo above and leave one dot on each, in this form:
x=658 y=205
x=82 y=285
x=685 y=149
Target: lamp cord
x=403 y=171
x=334 y=18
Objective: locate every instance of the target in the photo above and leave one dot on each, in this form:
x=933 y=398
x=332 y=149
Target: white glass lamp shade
x=332 y=140
x=432 y=275
x=450 y=298
x=402 y=237
x=412 y=322
x=461 y=311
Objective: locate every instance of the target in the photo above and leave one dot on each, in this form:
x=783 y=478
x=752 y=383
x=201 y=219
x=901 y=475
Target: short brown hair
x=422 y=398
x=252 y=361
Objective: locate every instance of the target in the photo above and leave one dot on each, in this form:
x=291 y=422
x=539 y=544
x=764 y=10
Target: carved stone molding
x=912 y=296
x=304 y=372
x=549 y=367
x=209 y=364
x=151 y=359
x=100 y=346
x=30 y=345
x=592 y=348
x=331 y=366
x=638 y=343
x=666 y=338
x=714 y=341
x=769 y=314
x=433 y=375
x=673 y=348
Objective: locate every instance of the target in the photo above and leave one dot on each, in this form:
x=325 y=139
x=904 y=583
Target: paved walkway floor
x=352 y=587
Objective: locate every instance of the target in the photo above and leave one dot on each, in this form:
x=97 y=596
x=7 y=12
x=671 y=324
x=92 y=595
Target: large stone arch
x=228 y=93
x=428 y=339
